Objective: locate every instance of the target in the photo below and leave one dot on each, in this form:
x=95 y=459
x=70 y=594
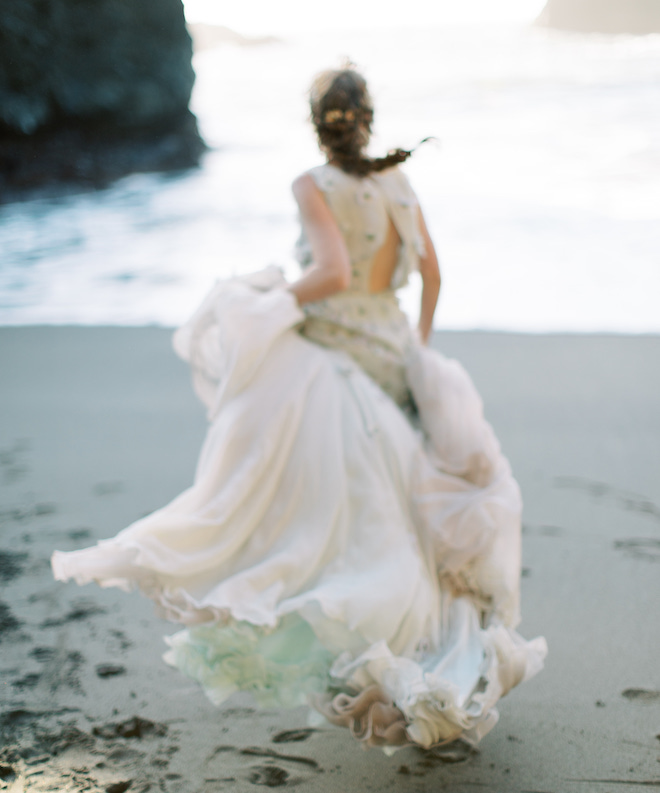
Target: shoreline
x=438 y=333
x=100 y=424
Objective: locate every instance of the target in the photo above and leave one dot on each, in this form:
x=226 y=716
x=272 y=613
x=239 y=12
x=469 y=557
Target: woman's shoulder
x=395 y=178
x=327 y=177
x=317 y=178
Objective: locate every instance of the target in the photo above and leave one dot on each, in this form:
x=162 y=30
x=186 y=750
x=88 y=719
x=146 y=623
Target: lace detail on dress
x=372 y=329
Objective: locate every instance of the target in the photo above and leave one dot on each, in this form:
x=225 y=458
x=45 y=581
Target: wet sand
x=99 y=426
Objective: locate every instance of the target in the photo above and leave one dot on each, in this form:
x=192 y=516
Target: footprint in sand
x=220 y=750
x=79 y=534
x=601 y=490
x=119 y=787
x=640 y=548
x=30 y=680
x=11 y=565
x=258 y=751
x=455 y=752
x=60 y=669
x=12 y=461
x=107 y=488
x=8 y=622
x=293 y=736
x=641 y=695
x=135 y=727
x=110 y=670
x=543 y=531
x=268 y=775
x=118 y=641
x=82 y=610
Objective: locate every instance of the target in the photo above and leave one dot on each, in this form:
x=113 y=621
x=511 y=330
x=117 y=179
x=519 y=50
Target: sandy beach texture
x=99 y=426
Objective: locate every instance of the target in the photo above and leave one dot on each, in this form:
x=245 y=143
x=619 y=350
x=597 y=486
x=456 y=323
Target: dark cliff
x=91 y=91
x=603 y=16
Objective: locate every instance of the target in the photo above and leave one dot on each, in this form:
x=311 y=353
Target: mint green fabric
x=279 y=667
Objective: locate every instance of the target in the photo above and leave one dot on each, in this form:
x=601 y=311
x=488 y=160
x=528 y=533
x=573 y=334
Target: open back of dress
x=371 y=328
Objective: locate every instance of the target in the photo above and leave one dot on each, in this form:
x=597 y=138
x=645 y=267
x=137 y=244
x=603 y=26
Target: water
x=543 y=193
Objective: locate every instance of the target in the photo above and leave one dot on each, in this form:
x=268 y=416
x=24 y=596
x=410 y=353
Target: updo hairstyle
x=342 y=113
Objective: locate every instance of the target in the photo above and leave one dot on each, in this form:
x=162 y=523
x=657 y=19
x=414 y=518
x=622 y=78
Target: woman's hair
x=342 y=113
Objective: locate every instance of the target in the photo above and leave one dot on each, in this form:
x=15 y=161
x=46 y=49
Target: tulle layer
x=327 y=544
x=280 y=668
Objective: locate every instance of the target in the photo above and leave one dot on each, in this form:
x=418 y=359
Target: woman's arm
x=430 y=272
x=330 y=271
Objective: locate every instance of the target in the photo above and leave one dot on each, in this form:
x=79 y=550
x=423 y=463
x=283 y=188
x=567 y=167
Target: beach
x=100 y=425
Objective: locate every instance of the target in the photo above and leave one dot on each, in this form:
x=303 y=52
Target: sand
x=99 y=426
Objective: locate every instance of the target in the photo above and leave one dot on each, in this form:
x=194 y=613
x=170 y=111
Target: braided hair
x=342 y=113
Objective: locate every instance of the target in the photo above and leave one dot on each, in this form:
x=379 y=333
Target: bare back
x=385 y=261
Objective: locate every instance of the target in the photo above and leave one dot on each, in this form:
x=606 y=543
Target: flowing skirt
x=329 y=551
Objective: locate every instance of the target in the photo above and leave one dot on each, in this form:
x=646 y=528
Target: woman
x=352 y=537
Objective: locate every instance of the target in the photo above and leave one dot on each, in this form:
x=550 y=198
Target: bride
x=352 y=536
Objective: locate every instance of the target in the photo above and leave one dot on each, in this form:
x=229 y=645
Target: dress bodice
x=363 y=207
x=371 y=328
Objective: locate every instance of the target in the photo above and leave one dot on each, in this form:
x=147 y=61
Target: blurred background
x=542 y=191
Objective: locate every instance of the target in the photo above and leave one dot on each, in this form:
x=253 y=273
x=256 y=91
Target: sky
x=265 y=17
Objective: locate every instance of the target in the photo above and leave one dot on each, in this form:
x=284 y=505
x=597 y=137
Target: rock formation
x=92 y=91
x=603 y=16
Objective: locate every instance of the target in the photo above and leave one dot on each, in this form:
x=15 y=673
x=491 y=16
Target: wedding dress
x=352 y=536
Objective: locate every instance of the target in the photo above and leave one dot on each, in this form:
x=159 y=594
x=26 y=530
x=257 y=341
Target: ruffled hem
x=448 y=691
x=371 y=716
x=444 y=694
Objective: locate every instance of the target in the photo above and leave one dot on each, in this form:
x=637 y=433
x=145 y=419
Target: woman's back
x=378 y=219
